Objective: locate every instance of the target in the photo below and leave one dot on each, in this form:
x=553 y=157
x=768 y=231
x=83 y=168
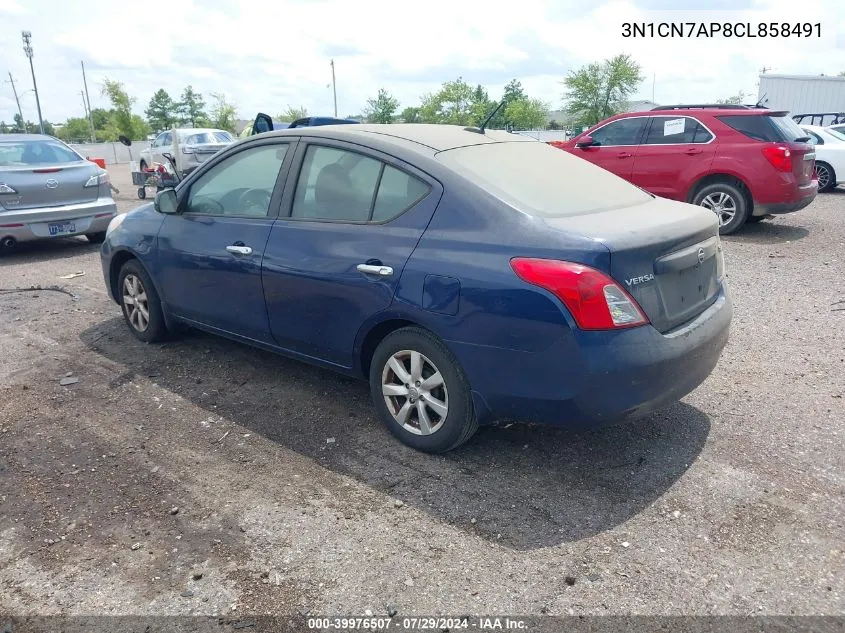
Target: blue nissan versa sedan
x=469 y=275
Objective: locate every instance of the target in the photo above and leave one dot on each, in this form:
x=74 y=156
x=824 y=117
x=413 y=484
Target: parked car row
x=742 y=163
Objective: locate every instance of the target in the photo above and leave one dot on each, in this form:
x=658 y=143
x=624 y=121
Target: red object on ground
x=100 y=161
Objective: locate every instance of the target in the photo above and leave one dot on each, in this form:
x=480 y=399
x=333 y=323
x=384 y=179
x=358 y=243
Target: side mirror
x=125 y=140
x=263 y=123
x=166 y=201
x=586 y=141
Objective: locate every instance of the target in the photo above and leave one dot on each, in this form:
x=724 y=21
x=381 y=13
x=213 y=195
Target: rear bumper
x=592 y=379
x=784 y=196
x=34 y=224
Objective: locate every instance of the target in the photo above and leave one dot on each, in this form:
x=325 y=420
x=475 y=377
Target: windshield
x=542 y=180
x=37 y=152
x=207 y=138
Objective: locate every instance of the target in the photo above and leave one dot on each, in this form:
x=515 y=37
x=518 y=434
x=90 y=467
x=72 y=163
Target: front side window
x=346 y=186
x=240 y=185
x=676 y=131
x=621 y=132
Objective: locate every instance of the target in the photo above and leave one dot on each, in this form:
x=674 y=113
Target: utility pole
x=334 y=90
x=27 y=48
x=18 y=101
x=88 y=104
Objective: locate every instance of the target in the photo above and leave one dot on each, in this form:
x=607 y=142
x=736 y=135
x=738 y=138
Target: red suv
x=742 y=163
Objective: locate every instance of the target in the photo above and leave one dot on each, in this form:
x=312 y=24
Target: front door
x=615 y=145
x=210 y=253
x=355 y=218
x=676 y=151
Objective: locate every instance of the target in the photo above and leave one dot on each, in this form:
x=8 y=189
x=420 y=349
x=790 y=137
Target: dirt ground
x=205 y=477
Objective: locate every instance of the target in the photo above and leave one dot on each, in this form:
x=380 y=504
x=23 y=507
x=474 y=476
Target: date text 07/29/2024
x=722 y=29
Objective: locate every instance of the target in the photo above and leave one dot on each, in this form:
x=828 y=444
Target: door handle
x=692 y=150
x=624 y=155
x=371 y=269
x=239 y=250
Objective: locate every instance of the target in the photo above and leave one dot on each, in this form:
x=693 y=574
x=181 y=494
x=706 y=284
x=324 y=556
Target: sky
x=270 y=55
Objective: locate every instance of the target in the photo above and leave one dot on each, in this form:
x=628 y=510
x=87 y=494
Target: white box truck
x=820 y=99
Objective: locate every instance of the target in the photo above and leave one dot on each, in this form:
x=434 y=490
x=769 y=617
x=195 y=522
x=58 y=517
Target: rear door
x=616 y=145
x=676 y=150
x=354 y=218
x=210 y=254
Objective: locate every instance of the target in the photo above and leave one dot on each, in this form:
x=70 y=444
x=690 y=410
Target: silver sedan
x=48 y=190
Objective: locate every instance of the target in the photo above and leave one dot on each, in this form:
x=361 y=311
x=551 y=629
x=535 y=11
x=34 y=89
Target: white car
x=190 y=148
x=830 y=155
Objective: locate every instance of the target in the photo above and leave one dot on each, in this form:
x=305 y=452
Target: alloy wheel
x=722 y=204
x=823 y=174
x=135 y=302
x=415 y=392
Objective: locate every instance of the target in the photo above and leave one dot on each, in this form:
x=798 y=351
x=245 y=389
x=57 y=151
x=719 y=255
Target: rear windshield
x=38 y=152
x=765 y=128
x=542 y=180
x=206 y=138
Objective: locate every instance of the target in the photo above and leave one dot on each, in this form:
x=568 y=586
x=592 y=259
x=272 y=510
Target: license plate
x=62 y=228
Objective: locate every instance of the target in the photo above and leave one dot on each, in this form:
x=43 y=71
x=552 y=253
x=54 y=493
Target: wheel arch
x=725 y=177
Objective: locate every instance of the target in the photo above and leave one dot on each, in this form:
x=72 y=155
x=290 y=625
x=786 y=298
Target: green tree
x=191 y=108
x=161 y=112
x=292 y=114
x=74 y=129
x=411 y=115
x=100 y=117
x=454 y=104
x=383 y=108
x=513 y=92
x=4 y=129
x=736 y=99
x=120 y=121
x=20 y=125
x=842 y=74
x=223 y=114
x=49 y=129
x=599 y=90
x=526 y=114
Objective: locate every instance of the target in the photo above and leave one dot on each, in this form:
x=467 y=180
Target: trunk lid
x=50 y=185
x=665 y=254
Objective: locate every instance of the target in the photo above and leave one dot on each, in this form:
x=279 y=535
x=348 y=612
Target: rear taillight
x=96 y=180
x=779 y=156
x=595 y=301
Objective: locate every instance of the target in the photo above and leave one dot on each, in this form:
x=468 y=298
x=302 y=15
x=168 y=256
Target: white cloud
x=265 y=57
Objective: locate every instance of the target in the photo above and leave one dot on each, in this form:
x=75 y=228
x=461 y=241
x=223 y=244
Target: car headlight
x=98 y=179
x=115 y=222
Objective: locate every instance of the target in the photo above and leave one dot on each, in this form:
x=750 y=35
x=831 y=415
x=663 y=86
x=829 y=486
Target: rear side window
x=764 y=128
x=676 y=130
x=346 y=186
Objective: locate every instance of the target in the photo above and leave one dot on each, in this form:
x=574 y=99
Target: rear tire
x=826 y=176
x=140 y=303
x=96 y=238
x=727 y=201
x=420 y=392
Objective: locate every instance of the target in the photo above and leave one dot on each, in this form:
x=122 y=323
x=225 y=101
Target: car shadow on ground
x=521 y=486
x=767 y=232
x=46 y=250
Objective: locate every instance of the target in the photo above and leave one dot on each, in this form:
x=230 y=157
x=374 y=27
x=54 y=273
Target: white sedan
x=830 y=155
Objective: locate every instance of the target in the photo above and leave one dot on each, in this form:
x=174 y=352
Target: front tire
x=96 y=238
x=826 y=176
x=727 y=202
x=420 y=392
x=140 y=303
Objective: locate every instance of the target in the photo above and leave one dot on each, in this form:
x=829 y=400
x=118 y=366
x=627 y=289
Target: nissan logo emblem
x=52 y=183
x=700 y=255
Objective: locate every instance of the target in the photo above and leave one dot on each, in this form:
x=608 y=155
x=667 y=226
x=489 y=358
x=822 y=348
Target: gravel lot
x=205 y=477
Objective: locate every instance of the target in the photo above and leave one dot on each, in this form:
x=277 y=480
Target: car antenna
x=759 y=103
x=480 y=129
